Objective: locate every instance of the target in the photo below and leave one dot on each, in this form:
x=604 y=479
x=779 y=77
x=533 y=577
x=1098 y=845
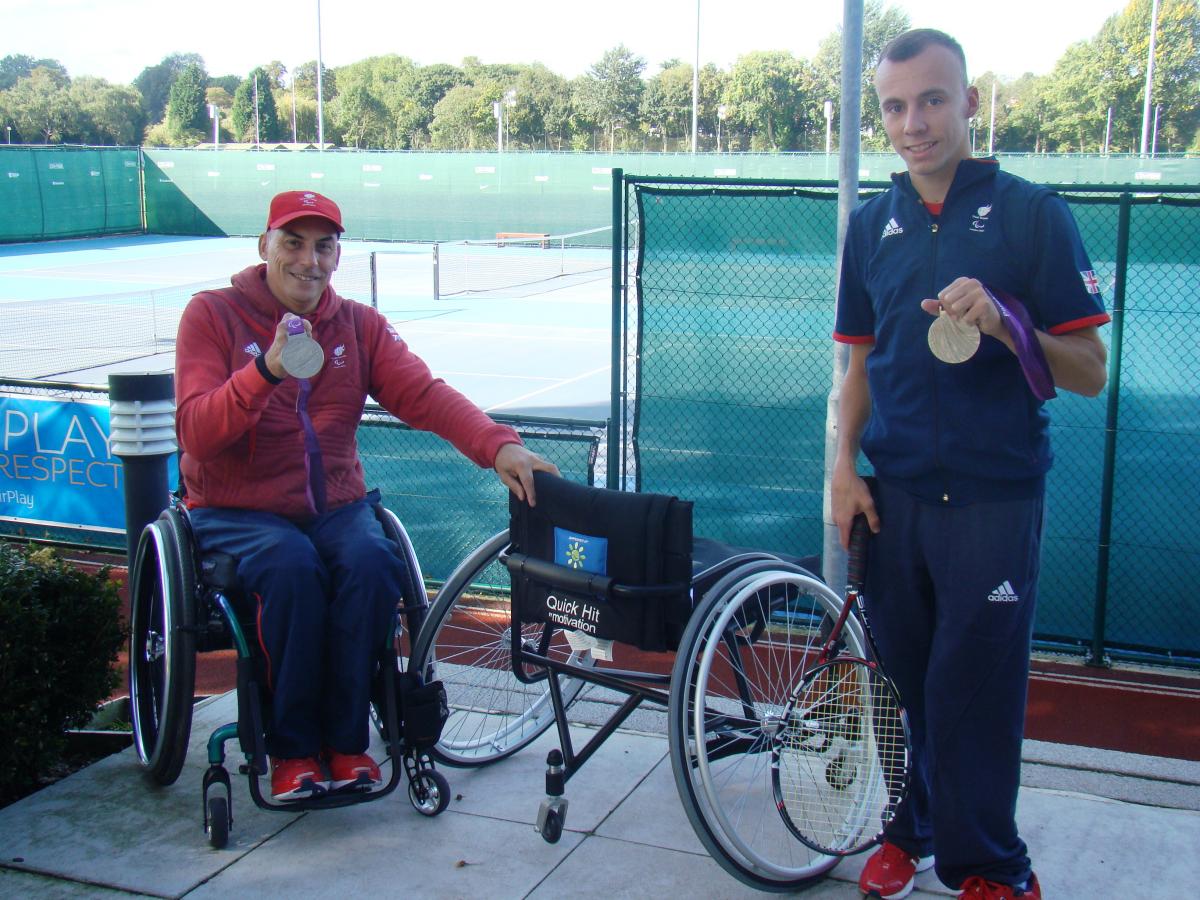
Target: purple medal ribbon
x=313 y=465
x=312 y=450
x=1029 y=350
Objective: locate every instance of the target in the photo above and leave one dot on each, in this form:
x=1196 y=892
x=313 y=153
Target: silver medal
x=302 y=357
x=952 y=341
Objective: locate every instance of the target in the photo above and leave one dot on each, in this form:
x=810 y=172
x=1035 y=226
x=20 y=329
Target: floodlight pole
x=696 y=83
x=214 y=113
x=1154 y=133
x=320 y=87
x=828 y=126
x=295 y=138
x=256 y=133
x=1107 y=131
x=1149 y=77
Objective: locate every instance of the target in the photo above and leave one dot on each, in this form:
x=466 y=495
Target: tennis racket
x=840 y=754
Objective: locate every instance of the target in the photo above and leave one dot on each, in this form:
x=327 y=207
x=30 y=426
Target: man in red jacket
x=273 y=477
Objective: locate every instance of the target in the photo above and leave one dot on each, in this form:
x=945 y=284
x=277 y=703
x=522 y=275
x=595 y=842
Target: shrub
x=60 y=633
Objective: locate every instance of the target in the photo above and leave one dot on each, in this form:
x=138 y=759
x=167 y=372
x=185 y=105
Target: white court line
x=551 y=387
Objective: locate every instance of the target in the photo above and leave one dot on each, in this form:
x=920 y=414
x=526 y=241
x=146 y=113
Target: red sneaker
x=890 y=871
x=292 y=779
x=352 y=770
x=976 y=888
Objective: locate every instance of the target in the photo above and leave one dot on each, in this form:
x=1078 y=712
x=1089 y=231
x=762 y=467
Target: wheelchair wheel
x=218 y=822
x=162 y=647
x=745 y=650
x=466 y=643
x=429 y=792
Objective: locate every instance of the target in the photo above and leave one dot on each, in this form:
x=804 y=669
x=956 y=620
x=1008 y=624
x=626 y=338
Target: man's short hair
x=914 y=41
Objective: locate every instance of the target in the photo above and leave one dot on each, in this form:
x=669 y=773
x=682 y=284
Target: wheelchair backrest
x=611 y=564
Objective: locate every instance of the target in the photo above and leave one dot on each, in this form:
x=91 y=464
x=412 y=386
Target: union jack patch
x=1090 y=281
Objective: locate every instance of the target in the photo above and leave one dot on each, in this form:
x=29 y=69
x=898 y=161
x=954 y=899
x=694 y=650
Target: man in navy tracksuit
x=960 y=452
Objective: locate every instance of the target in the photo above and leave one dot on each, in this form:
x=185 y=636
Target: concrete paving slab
x=389 y=850
x=109 y=825
x=653 y=815
x=514 y=788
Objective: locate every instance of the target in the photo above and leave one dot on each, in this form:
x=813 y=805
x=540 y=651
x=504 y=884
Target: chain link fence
x=728 y=304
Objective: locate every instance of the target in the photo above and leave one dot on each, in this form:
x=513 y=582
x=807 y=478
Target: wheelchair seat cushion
x=612 y=564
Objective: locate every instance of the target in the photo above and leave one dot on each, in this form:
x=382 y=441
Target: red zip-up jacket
x=242 y=441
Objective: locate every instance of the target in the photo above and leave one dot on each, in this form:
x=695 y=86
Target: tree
x=111 y=113
x=462 y=120
x=546 y=112
x=186 y=110
x=19 y=66
x=41 y=107
x=306 y=80
x=764 y=94
x=154 y=82
x=611 y=91
x=667 y=102
x=246 y=126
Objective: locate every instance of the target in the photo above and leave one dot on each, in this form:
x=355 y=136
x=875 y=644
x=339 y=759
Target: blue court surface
x=76 y=310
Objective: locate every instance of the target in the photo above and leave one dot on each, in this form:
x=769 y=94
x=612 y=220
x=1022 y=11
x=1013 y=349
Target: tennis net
x=501 y=266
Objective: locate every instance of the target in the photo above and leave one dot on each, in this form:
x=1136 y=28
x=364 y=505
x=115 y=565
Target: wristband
x=260 y=363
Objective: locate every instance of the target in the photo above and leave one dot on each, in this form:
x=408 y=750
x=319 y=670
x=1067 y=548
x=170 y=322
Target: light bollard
x=142 y=435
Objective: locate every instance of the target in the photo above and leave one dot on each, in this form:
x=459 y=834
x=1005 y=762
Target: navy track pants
x=951 y=593
x=327 y=593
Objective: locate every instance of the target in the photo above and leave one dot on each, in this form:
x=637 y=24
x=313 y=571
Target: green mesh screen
x=735 y=312
x=58 y=192
x=729 y=359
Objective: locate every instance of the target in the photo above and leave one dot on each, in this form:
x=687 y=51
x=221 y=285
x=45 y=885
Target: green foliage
x=154 y=82
x=611 y=92
x=246 y=127
x=60 y=634
x=186 y=109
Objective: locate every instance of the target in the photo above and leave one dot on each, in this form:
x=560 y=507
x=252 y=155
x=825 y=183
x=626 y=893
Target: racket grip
x=856 y=555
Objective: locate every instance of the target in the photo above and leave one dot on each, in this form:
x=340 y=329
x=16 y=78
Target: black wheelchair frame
x=183 y=603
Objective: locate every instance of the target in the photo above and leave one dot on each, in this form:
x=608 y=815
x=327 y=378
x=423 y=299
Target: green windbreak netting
x=732 y=366
x=58 y=192
x=735 y=312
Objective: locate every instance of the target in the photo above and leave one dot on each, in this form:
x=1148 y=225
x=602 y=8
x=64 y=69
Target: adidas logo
x=891 y=228
x=253 y=349
x=1004 y=593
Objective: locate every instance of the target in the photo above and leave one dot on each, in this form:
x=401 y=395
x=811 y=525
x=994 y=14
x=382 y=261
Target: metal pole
x=992 y=125
x=1104 y=541
x=1154 y=133
x=256 y=133
x=616 y=422
x=295 y=139
x=1149 y=77
x=696 y=83
x=320 y=86
x=1107 y=131
x=834 y=557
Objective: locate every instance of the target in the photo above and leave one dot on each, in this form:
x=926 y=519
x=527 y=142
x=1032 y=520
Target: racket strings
x=840 y=757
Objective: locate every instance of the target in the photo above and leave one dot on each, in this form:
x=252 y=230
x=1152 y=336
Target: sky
x=116 y=39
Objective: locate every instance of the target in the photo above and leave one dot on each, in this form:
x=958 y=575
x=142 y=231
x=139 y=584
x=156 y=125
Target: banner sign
x=55 y=464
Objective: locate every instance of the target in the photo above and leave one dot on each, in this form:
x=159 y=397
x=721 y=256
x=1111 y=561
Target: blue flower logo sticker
x=575 y=555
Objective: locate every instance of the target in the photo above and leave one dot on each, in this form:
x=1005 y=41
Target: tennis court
x=515 y=337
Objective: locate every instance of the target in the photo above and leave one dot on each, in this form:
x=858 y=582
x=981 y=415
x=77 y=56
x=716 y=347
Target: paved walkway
x=1099 y=824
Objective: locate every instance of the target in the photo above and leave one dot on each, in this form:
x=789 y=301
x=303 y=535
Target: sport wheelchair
x=590 y=581
x=184 y=602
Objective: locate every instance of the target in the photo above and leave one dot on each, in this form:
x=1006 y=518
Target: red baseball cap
x=291 y=205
